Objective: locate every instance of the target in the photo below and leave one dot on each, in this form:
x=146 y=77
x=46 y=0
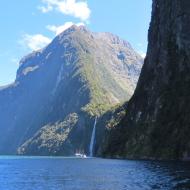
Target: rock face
x=157 y=122
x=50 y=108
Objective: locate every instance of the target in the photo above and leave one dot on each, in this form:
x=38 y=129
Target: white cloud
x=45 y=9
x=140 y=45
x=143 y=54
x=15 y=61
x=39 y=41
x=78 y=9
x=59 y=29
x=34 y=42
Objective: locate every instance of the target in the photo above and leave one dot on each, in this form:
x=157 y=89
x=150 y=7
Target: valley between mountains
x=59 y=91
x=85 y=93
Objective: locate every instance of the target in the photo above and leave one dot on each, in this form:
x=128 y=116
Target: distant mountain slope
x=80 y=73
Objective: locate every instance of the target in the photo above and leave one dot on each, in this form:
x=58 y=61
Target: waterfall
x=92 y=141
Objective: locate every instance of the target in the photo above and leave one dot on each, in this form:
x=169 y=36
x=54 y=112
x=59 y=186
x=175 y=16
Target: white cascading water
x=92 y=141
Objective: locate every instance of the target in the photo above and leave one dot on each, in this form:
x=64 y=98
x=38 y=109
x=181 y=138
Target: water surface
x=48 y=173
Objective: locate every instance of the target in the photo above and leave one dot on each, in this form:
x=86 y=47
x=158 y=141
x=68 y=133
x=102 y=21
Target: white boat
x=79 y=155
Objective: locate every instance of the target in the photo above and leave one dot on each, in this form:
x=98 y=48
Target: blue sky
x=29 y=25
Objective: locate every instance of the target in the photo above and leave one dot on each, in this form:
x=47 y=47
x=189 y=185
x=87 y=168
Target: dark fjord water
x=36 y=173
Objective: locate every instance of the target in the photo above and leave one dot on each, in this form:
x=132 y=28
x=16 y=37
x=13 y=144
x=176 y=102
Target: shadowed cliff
x=157 y=120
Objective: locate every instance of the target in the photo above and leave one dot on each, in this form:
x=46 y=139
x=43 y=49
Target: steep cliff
x=50 y=108
x=157 y=121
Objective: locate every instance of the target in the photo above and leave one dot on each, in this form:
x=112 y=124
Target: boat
x=79 y=155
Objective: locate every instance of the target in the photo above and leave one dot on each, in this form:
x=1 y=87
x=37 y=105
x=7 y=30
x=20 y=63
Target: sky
x=27 y=26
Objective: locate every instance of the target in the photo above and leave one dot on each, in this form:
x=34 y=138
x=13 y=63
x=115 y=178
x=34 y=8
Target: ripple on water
x=44 y=173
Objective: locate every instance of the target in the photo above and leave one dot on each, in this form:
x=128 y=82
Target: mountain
x=59 y=90
x=156 y=124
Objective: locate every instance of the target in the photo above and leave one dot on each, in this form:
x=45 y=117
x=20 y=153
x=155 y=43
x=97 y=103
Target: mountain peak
x=114 y=39
x=74 y=28
x=79 y=72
